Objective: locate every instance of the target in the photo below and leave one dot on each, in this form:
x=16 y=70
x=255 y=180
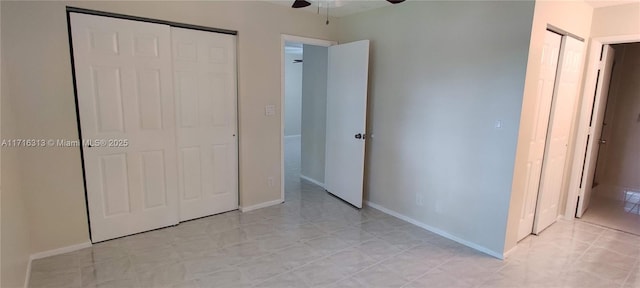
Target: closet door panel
x=126 y=106
x=204 y=65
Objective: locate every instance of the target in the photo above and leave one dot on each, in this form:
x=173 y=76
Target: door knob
x=602 y=141
x=358 y=136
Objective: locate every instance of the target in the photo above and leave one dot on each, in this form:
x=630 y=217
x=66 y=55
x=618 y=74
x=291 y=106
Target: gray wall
x=314 y=109
x=292 y=94
x=441 y=75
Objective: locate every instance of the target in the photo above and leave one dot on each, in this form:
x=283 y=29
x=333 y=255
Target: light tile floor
x=616 y=214
x=316 y=240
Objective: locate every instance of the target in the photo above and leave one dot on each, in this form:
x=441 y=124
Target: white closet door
x=564 y=104
x=204 y=65
x=124 y=90
x=546 y=81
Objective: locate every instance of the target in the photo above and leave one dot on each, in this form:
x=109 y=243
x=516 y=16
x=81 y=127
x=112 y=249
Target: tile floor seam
x=425 y=273
x=341 y=250
x=370 y=266
x=306 y=264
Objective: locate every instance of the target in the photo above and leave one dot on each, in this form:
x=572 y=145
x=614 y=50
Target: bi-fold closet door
x=554 y=110
x=157 y=110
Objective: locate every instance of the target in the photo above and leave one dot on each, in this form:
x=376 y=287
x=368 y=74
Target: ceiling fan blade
x=395 y=1
x=300 y=4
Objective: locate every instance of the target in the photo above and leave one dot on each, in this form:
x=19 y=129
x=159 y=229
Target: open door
x=595 y=129
x=347 y=75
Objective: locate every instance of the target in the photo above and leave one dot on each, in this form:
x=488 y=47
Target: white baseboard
x=506 y=254
x=61 y=250
x=50 y=253
x=261 y=205
x=436 y=230
x=292 y=136
x=314 y=181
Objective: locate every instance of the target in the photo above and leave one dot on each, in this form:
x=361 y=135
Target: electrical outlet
x=419 y=199
x=270 y=181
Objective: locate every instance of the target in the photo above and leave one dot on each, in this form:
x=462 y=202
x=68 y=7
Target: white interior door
x=347 y=76
x=204 y=66
x=595 y=129
x=563 y=111
x=124 y=91
x=537 y=140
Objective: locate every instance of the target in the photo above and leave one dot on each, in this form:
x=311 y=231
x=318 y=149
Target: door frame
x=297 y=39
x=589 y=86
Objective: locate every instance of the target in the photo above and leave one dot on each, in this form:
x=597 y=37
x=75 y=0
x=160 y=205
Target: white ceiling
x=341 y=8
x=338 y=8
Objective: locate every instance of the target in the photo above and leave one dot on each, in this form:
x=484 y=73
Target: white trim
x=619 y=39
x=50 y=253
x=261 y=205
x=61 y=250
x=593 y=62
x=314 y=181
x=437 y=231
x=304 y=40
x=505 y=255
x=292 y=136
x=28 y=276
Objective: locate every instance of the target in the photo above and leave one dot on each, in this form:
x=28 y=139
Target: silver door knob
x=602 y=141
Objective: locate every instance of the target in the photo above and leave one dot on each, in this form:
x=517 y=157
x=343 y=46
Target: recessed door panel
x=115 y=184
x=153 y=173
x=191 y=173
x=149 y=99
x=107 y=94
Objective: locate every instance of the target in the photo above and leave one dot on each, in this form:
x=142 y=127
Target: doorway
x=615 y=195
x=304 y=114
x=324 y=104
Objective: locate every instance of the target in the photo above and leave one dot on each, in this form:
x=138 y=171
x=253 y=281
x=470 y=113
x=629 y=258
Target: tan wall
x=616 y=20
x=619 y=160
x=573 y=17
x=36 y=42
x=14 y=240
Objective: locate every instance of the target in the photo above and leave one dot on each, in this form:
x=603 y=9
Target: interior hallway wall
x=441 y=75
x=38 y=74
x=619 y=162
x=292 y=93
x=314 y=112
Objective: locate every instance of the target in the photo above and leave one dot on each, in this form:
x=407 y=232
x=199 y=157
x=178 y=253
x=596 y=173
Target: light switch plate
x=270 y=110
